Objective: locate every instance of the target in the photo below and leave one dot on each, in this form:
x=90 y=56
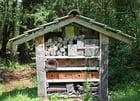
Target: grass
x=2 y=89
x=130 y=94
x=13 y=65
x=34 y=81
x=27 y=94
x=30 y=94
x=19 y=86
x=124 y=84
x=56 y=97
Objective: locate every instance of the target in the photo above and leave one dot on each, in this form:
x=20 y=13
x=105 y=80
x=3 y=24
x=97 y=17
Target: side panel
x=104 y=40
x=40 y=65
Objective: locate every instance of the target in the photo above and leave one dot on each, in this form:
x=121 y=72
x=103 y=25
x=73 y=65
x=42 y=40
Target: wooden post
x=40 y=65
x=104 y=40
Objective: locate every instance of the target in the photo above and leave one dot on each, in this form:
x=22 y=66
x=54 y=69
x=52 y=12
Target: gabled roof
x=66 y=20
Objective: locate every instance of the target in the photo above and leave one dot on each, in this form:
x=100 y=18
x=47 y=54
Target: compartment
x=92 y=75
x=78 y=75
x=52 y=75
x=65 y=75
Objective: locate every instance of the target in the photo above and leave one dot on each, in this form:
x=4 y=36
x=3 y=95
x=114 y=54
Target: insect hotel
x=71 y=51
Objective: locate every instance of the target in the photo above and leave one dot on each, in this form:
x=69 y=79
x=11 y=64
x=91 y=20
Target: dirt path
x=17 y=77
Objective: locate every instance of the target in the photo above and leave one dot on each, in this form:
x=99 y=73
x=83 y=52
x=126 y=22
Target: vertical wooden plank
x=40 y=65
x=104 y=41
x=69 y=31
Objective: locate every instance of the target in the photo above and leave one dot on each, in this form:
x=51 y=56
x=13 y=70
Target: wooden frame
x=66 y=20
x=38 y=34
x=104 y=41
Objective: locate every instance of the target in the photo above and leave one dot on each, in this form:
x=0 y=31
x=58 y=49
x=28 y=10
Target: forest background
x=17 y=16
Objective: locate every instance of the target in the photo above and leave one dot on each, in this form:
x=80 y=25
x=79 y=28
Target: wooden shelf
x=56 y=89
x=71 y=57
x=73 y=95
x=73 y=68
x=70 y=80
x=88 y=47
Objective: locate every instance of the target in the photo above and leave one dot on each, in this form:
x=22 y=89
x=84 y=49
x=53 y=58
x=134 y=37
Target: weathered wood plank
x=121 y=37
x=84 y=21
x=40 y=65
x=104 y=40
x=69 y=31
x=71 y=80
x=56 y=89
x=106 y=27
x=47 y=28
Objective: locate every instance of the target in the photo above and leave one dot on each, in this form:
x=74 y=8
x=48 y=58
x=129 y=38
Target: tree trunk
x=6 y=30
x=6 y=34
x=16 y=28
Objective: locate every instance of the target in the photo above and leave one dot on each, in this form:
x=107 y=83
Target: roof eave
x=63 y=21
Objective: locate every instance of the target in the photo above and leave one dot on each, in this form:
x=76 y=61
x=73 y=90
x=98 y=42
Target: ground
x=20 y=79
x=14 y=78
x=20 y=83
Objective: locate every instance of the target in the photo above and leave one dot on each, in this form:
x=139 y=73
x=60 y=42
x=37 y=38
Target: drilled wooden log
x=80 y=43
x=70 y=89
x=80 y=52
x=60 y=40
x=89 y=51
x=64 y=54
x=72 y=50
x=62 y=49
x=81 y=88
x=59 y=53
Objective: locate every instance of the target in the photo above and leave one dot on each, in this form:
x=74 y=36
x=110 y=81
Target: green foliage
x=118 y=54
x=130 y=94
x=87 y=96
x=14 y=65
x=22 y=97
x=11 y=65
x=20 y=85
x=30 y=46
x=55 y=97
x=27 y=94
x=124 y=84
x=2 y=89
x=34 y=80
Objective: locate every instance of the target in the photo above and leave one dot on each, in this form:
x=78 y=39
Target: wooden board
x=52 y=75
x=72 y=50
x=72 y=75
x=69 y=31
x=103 y=91
x=40 y=65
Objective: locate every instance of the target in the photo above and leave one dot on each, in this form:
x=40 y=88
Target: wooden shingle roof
x=66 y=20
